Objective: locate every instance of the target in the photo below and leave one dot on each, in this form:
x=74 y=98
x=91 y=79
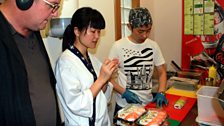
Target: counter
x=177 y=116
x=187 y=115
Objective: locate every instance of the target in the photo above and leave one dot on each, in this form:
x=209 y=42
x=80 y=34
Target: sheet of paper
x=198 y=6
x=209 y=21
x=198 y=24
x=209 y=6
x=188 y=6
x=188 y=24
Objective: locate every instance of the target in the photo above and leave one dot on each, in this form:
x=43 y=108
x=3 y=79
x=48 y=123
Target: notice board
x=203 y=35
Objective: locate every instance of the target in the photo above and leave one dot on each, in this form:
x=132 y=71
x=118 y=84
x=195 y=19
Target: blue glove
x=131 y=97
x=160 y=98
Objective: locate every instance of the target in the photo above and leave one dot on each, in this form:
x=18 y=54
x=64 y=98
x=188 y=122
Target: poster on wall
x=203 y=36
x=199 y=17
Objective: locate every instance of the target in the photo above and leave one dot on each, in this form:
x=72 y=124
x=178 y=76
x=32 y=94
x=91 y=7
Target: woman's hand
x=108 y=68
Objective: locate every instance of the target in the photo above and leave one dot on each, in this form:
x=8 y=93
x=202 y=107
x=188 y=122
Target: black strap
x=89 y=66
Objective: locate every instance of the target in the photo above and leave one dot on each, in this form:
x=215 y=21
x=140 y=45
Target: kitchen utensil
x=175 y=66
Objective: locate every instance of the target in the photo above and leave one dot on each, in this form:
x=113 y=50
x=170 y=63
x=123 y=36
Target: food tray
x=153 y=116
x=130 y=113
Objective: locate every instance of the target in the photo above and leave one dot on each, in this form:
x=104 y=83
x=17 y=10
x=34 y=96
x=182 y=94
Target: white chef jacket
x=73 y=90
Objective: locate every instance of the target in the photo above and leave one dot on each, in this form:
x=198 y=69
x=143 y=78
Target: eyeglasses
x=54 y=6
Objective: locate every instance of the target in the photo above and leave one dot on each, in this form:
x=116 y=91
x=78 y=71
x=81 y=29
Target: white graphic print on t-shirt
x=138 y=68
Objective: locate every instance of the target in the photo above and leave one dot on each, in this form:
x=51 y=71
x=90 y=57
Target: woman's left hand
x=107 y=69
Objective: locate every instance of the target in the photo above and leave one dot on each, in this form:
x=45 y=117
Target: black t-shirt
x=41 y=92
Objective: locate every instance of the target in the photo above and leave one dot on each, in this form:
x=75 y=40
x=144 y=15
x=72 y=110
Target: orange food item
x=140 y=110
x=153 y=123
x=132 y=116
x=153 y=117
x=159 y=120
x=131 y=113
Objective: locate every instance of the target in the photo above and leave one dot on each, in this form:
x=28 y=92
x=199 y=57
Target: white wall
x=166 y=31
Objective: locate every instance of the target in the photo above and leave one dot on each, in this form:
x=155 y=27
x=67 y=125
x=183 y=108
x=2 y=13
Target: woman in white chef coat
x=82 y=81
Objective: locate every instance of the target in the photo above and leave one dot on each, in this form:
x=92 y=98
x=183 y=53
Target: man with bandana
x=138 y=56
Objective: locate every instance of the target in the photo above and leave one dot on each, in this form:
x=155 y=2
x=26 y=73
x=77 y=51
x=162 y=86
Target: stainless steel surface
x=58 y=26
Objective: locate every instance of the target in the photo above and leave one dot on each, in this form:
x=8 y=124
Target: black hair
x=82 y=19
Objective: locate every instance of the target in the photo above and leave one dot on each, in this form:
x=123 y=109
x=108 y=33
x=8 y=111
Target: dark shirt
x=41 y=93
x=19 y=102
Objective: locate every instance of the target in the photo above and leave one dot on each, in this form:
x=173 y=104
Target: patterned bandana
x=139 y=17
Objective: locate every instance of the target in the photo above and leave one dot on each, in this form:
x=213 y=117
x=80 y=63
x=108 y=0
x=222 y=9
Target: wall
x=166 y=29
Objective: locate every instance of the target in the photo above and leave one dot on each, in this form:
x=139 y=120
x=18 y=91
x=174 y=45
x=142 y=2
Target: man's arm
x=162 y=77
x=117 y=87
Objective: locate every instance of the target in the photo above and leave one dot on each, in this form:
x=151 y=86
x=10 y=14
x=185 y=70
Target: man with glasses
x=27 y=83
x=54 y=6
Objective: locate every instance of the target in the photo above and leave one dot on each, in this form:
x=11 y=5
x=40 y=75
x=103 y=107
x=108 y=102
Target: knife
x=175 y=66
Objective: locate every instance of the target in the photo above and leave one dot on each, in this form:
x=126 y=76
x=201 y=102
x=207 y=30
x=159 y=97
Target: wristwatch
x=163 y=93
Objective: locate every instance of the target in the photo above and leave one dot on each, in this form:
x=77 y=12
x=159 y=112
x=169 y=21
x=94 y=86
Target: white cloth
x=73 y=90
x=138 y=60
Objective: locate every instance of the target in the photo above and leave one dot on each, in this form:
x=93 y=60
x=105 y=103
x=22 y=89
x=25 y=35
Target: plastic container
x=129 y=114
x=153 y=117
x=210 y=110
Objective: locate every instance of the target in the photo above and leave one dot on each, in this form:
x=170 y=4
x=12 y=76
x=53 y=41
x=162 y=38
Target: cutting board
x=176 y=114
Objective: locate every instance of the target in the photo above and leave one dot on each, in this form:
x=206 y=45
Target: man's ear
x=76 y=31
